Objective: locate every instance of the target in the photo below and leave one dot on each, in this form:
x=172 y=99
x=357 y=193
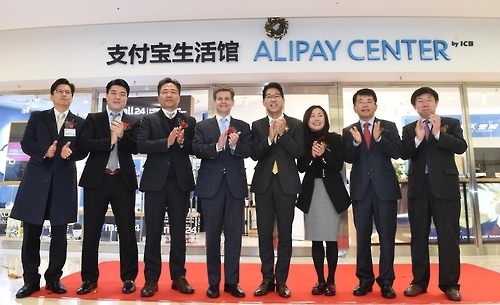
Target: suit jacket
x=42 y=173
x=96 y=139
x=214 y=164
x=152 y=140
x=327 y=167
x=439 y=157
x=374 y=163
x=288 y=148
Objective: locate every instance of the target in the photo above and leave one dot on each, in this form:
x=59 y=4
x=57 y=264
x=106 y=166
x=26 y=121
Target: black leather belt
x=115 y=172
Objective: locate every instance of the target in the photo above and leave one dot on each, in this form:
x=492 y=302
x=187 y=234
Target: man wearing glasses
x=278 y=140
x=48 y=188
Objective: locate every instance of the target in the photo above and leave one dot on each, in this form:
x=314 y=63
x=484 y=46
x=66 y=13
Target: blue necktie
x=222 y=125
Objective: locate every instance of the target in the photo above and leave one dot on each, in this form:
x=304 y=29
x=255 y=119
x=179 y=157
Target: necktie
x=427 y=129
x=60 y=121
x=366 y=133
x=222 y=125
x=113 y=155
x=170 y=115
x=427 y=133
x=275 y=165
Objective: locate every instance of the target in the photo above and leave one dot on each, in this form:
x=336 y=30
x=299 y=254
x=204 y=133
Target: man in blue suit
x=370 y=144
x=51 y=140
x=222 y=143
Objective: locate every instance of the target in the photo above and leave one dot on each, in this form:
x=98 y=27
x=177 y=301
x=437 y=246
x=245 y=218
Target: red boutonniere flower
x=69 y=124
x=231 y=130
x=443 y=128
x=182 y=124
x=126 y=126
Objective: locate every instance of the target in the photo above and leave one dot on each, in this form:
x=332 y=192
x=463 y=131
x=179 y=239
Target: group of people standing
x=283 y=146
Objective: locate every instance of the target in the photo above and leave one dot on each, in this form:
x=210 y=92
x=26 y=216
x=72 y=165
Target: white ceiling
x=22 y=14
x=25 y=14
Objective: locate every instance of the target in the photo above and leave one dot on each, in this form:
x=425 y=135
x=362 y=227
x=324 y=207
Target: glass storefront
x=481 y=193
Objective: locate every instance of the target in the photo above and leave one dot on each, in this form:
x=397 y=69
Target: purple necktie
x=427 y=133
x=427 y=129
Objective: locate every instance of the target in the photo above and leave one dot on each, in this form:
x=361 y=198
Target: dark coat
x=439 y=157
x=42 y=173
x=327 y=167
x=152 y=140
x=288 y=148
x=374 y=164
x=96 y=139
x=214 y=164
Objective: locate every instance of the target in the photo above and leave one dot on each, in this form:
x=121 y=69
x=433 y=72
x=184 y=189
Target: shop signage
x=198 y=52
x=357 y=49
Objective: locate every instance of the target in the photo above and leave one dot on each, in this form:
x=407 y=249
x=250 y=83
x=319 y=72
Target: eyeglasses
x=271 y=97
x=365 y=102
x=67 y=92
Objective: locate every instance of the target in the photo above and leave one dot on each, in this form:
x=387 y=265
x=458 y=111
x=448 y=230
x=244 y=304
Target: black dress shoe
x=27 y=290
x=266 y=286
x=235 y=290
x=388 y=292
x=414 y=290
x=453 y=294
x=213 y=291
x=282 y=290
x=181 y=284
x=149 y=289
x=56 y=287
x=318 y=289
x=330 y=289
x=86 y=287
x=362 y=289
x=128 y=286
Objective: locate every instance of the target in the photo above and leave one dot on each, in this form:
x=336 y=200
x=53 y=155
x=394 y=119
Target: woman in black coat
x=324 y=196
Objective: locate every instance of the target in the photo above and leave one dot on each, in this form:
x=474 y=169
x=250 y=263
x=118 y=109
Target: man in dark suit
x=222 y=143
x=166 y=136
x=430 y=143
x=278 y=140
x=370 y=144
x=51 y=139
x=109 y=177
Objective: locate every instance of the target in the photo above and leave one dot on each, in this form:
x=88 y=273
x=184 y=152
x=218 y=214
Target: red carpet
x=478 y=285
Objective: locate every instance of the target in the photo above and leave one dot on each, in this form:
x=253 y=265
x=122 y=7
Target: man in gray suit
x=278 y=140
x=430 y=143
x=222 y=143
x=370 y=143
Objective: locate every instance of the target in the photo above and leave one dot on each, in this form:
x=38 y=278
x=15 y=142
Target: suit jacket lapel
x=103 y=121
x=163 y=120
x=214 y=125
x=50 y=119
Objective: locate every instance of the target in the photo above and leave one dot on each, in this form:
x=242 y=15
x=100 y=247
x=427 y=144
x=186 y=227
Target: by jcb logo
x=463 y=43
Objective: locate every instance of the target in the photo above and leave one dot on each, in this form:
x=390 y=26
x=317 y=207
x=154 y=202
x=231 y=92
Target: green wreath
x=276 y=27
